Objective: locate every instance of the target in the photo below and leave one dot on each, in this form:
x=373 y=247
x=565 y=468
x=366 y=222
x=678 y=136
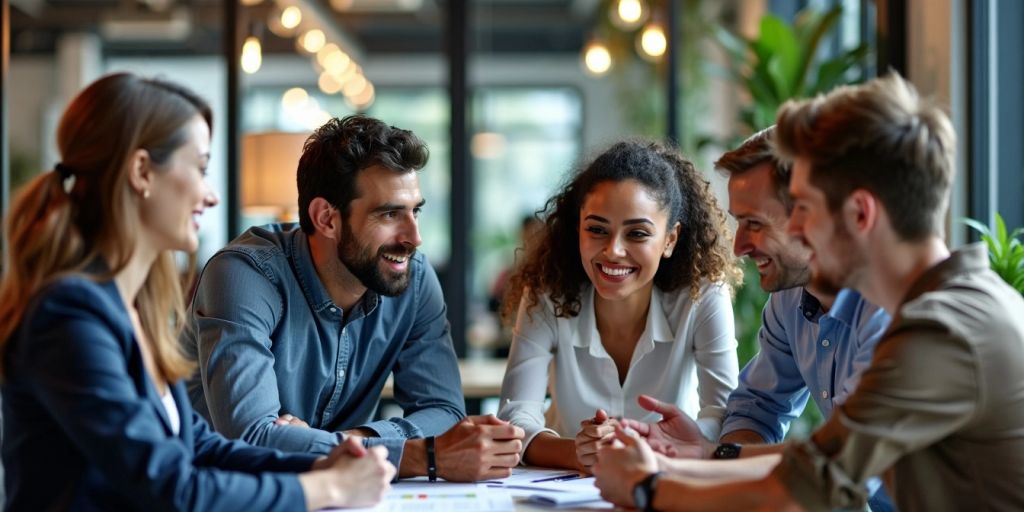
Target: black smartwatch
x=643 y=493
x=727 y=451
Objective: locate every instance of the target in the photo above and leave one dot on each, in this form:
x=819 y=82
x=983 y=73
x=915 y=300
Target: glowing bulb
x=252 y=55
x=652 y=41
x=597 y=59
x=313 y=40
x=291 y=17
x=630 y=10
x=355 y=86
x=328 y=83
x=328 y=49
x=337 y=62
x=294 y=99
x=628 y=14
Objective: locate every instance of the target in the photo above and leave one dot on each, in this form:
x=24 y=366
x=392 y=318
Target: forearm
x=753 y=444
x=291 y=438
x=550 y=451
x=676 y=495
x=744 y=437
x=711 y=472
x=414 y=459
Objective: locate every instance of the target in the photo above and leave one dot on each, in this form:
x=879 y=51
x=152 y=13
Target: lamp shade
x=269 y=163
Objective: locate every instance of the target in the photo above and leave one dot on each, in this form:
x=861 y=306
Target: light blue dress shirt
x=803 y=353
x=269 y=341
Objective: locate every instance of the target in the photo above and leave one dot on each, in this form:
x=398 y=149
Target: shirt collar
x=313 y=287
x=305 y=272
x=844 y=307
x=810 y=306
x=657 y=328
x=969 y=258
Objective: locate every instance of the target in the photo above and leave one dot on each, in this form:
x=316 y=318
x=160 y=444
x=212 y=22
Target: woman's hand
x=593 y=434
x=350 y=476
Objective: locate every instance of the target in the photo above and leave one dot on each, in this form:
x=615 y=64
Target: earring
x=145 y=194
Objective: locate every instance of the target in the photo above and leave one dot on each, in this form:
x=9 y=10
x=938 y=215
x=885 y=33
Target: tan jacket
x=941 y=408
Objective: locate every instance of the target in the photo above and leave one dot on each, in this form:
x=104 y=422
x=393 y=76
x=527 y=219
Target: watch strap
x=431 y=459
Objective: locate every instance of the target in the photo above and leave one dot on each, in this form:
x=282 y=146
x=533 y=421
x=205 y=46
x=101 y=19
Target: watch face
x=640 y=495
x=727 y=451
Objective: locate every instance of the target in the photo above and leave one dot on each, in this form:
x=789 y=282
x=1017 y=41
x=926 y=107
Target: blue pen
x=558 y=478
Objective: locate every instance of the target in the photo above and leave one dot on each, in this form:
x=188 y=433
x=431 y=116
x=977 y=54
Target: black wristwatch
x=643 y=492
x=727 y=451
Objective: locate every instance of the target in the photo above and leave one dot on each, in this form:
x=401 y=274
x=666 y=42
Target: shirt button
x=334 y=310
x=341 y=374
x=824 y=343
x=824 y=394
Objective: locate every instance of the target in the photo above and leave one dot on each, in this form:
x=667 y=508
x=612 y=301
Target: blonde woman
x=95 y=413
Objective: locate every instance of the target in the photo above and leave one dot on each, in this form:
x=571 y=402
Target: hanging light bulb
x=313 y=40
x=329 y=83
x=291 y=16
x=628 y=14
x=597 y=60
x=652 y=42
x=252 y=55
x=294 y=99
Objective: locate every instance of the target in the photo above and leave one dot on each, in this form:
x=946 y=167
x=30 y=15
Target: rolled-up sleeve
x=525 y=385
x=920 y=387
x=427 y=384
x=715 y=354
x=771 y=389
x=235 y=310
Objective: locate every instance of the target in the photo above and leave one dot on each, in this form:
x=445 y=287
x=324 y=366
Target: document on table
x=553 y=488
x=549 y=487
x=421 y=496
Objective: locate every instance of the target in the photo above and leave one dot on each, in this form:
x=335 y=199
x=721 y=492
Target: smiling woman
x=95 y=412
x=627 y=291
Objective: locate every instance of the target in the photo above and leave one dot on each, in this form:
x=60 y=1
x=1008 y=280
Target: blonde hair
x=881 y=137
x=52 y=233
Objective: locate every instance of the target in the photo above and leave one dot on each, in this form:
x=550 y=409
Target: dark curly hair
x=553 y=265
x=335 y=153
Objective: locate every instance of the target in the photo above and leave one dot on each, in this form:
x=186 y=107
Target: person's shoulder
x=75 y=292
x=710 y=292
x=266 y=239
x=74 y=298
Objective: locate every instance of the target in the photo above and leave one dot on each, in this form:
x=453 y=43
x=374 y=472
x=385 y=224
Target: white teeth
x=761 y=261
x=618 y=272
x=396 y=259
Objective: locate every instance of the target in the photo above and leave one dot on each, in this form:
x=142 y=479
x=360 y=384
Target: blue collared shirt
x=803 y=352
x=270 y=341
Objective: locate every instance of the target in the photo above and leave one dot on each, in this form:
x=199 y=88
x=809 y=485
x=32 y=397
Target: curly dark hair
x=335 y=153
x=703 y=252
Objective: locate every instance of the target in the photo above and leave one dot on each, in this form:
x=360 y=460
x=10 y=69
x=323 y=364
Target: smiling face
x=382 y=231
x=179 y=193
x=833 y=259
x=623 y=237
x=761 y=230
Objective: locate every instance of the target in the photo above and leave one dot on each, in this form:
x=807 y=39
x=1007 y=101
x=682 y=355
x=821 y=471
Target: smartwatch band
x=431 y=459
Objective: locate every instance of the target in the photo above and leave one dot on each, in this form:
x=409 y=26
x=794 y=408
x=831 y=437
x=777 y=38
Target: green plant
x=1005 y=251
x=782 y=62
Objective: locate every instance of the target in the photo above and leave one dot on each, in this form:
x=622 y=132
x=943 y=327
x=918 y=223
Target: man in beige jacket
x=940 y=411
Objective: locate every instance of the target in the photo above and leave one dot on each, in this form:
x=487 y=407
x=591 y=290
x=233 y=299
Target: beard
x=791 y=270
x=366 y=265
x=831 y=280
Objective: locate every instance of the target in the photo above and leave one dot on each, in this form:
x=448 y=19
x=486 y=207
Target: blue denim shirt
x=803 y=352
x=269 y=341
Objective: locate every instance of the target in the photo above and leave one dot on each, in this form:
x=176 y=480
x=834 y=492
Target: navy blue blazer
x=84 y=427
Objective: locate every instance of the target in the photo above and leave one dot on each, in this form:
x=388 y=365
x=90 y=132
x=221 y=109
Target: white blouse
x=686 y=356
x=172 y=410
